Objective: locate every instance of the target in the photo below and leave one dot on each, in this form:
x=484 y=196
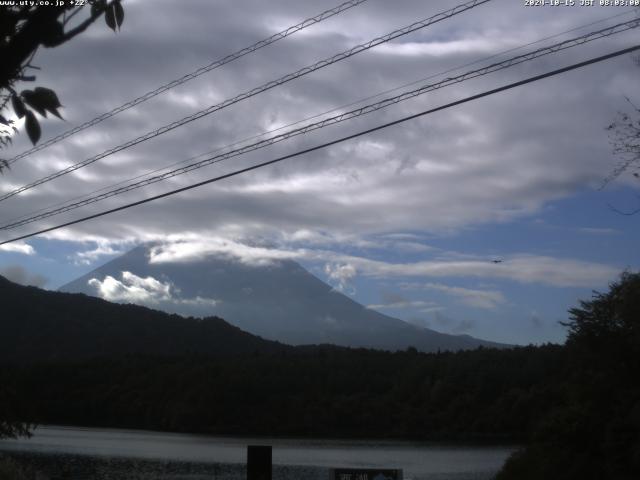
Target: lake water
x=111 y=453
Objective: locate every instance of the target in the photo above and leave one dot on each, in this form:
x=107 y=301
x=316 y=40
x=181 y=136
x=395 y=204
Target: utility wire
x=190 y=76
x=318 y=115
x=333 y=142
x=267 y=86
x=335 y=119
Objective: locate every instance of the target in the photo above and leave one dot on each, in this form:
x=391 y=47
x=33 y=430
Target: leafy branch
x=23 y=29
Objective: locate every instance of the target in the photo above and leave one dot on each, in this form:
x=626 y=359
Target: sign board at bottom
x=365 y=474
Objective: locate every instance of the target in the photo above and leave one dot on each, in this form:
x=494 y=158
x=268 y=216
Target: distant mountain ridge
x=40 y=326
x=281 y=301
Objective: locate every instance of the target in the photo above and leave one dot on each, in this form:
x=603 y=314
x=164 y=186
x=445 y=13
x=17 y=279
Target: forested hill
x=577 y=406
x=38 y=325
x=482 y=395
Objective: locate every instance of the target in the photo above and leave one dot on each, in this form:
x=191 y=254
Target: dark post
x=259 y=462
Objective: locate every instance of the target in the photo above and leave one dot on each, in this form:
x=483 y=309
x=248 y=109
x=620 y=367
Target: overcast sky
x=407 y=220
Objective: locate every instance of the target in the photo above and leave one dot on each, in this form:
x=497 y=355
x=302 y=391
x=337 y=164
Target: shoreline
x=391 y=440
x=111 y=450
x=85 y=467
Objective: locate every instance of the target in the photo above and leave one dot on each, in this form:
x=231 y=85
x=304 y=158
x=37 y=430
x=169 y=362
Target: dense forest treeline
x=487 y=394
x=576 y=406
x=592 y=430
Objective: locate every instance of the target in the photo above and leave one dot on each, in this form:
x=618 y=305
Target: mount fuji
x=279 y=301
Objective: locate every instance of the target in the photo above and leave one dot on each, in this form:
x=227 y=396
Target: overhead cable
x=328 y=144
x=322 y=114
x=255 y=91
x=606 y=32
x=190 y=76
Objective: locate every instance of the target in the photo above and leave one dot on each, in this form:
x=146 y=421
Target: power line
x=194 y=74
x=297 y=122
x=333 y=142
x=606 y=32
x=255 y=91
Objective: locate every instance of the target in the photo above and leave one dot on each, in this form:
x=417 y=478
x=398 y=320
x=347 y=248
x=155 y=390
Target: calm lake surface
x=102 y=453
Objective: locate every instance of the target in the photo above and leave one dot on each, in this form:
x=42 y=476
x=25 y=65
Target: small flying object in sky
x=498 y=260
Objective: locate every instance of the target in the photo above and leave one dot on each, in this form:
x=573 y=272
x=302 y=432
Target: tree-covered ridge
x=482 y=395
x=39 y=325
x=576 y=406
x=592 y=430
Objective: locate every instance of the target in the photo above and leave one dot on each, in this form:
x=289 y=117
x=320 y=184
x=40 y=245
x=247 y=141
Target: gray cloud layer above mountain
x=477 y=164
x=522 y=268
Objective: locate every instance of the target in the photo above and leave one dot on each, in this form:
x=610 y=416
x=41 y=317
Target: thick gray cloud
x=523 y=268
x=481 y=163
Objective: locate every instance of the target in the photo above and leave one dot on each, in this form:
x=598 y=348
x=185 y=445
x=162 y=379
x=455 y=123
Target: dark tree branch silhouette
x=23 y=29
x=624 y=135
x=625 y=141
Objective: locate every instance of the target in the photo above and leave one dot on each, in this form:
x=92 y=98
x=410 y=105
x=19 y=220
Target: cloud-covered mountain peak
x=274 y=298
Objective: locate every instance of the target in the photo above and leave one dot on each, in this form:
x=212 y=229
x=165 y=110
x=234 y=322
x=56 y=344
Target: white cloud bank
x=485 y=299
x=18 y=247
x=103 y=248
x=147 y=291
x=132 y=289
x=522 y=268
x=341 y=275
x=424 y=307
